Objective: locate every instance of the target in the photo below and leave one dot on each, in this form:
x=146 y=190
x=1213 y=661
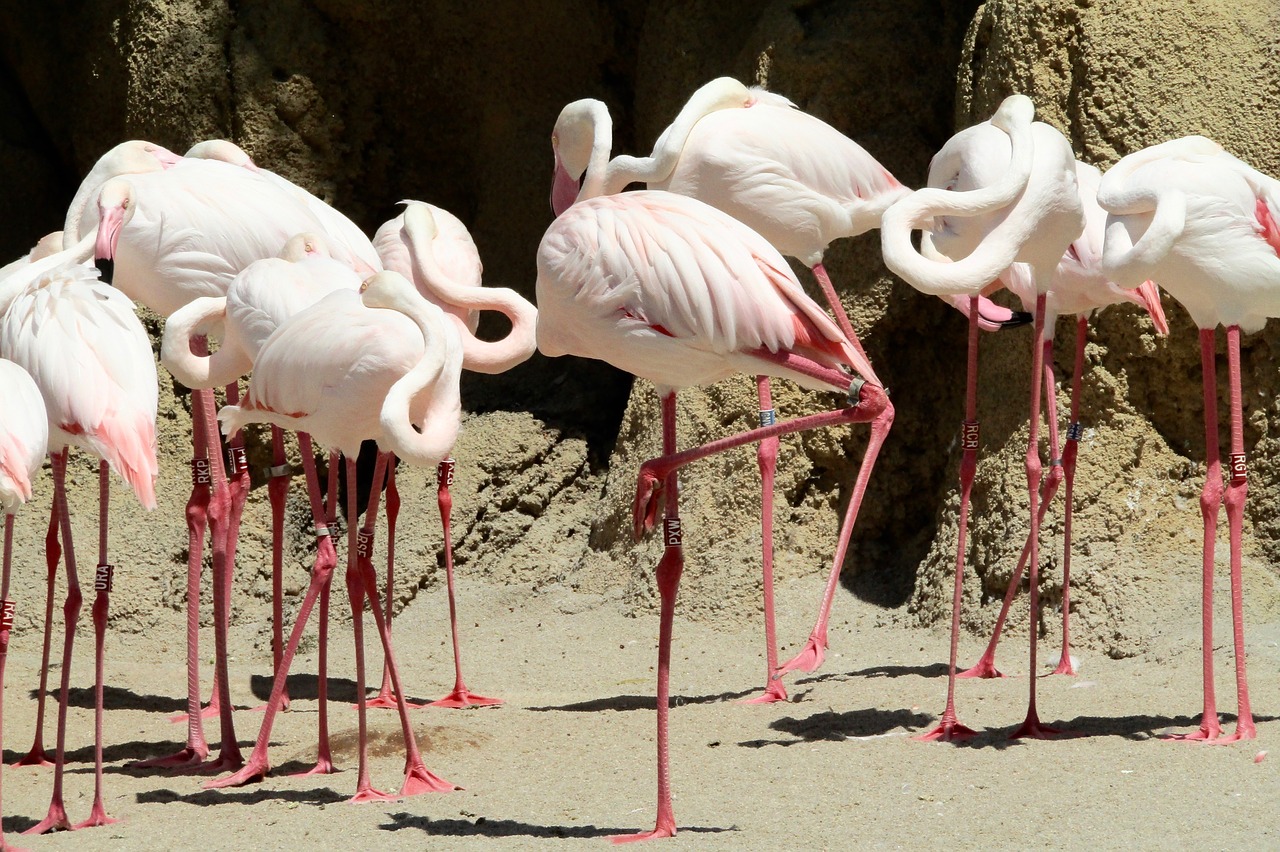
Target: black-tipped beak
x=1018 y=318
x=106 y=268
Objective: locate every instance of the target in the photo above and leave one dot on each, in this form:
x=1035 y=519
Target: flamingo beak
x=167 y=158
x=564 y=189
x=104 y=248
x=1149 y=298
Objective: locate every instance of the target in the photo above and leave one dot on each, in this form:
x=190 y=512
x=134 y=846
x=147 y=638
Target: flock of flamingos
x=683 y=283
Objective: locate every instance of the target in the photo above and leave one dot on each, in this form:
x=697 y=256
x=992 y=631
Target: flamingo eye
x=364 y=285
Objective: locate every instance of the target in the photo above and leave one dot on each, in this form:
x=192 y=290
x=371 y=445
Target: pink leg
x=101 y=603
x=842 y=319
x=986 y=666
x=1069 y=452
x=6 y=626
x=418 y=779
x=949 y=728
x=1031 y=726
x=258 y=765
x=461 y=696
x=1210 y=501
x=669 y=571
x=365 y=791
x=1237 y=491
x=278 y=493
x=767 y=459
x=385 y=699
x=37 y=756
x=57 y=816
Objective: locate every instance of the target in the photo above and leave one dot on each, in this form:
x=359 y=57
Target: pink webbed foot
x=1209 y=731
x=324 y=766
x=658 y=832
x=223 y=763
x=369 y=794
x=419 y=780
x=1032 y=728
x=36 y=757
x=1245 y=730
x=1065 y=666
x=984 y=668
x=97 y=817
x=187 y=758
x=948 y=731
x=386 y=700
x=775 y=691
x=809 y=658
x=56 y=820
x=462 y=697
x=648 y=501
x=251 y=773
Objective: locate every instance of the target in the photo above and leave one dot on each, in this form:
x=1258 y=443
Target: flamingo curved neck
x=1129 y=263
x=228 y=363
x=12 y=286
x=595 y=178
x=478 y=355
x=437 y=373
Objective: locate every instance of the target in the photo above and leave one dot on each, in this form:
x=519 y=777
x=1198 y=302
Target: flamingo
x=432 y=248
x=349 y=368
x=89 y=355
x=171 y=237
x=674 y=291
x=1203 y=224
x=258 y=301
x=1001 y=191
x=1080 y=289
x=24 y=439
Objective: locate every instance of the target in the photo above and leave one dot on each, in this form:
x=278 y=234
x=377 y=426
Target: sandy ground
x=569 y=758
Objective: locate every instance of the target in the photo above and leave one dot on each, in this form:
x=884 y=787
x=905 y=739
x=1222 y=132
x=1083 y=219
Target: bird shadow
x=116 y=698
x=485 y=827
x=17 y=824
x=926 y=671
x=641 y=702
x=830 y=725
x=1142 y=727
x=207 y=798
x=305 y=687
x=111 y=754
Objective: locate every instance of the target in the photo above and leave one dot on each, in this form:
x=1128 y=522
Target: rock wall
x=369 y=103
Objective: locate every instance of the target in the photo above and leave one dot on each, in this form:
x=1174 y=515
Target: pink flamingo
x=172 y=237
x=674 y=291
x=1000 y=191
x=1080 y=289
x=1205 y=226
x=258 y=301
x=90 y=357
x=24 y=439
x=432 y=248
x=349 y=368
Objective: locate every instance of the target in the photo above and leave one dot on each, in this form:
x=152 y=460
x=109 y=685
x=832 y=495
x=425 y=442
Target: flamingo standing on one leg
x=258 y=301
x=431 y=247
x=345 y=370
x=172 y=237
x=1080 y=289
x=1206 y=227
x=89 y=355
x=24 y=439
x=677 y=292
x=1000 y=191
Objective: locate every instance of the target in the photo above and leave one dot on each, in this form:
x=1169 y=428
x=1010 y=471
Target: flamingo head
x=572 y=142
x=388 y=289
x=304 y=245
x=115 y=208
x=221 y=149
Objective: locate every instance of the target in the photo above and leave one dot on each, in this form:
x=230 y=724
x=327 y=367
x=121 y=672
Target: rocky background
x=368 y=103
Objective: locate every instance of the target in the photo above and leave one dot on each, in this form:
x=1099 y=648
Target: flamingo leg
x=6 y=626
x=1210 y=502
x=385 y=698
x=949 y=728
x=37 y=756
x=223 y=518
x=1031 y=726
x=668 y=576
x=278 y=493
x=767 y=459
x=258 y=765
x=56 y=819
x=460 y=696
x=418 y=779
x=1237 y=492
x=986 y=665
x=1070 y=449
x=101 y=604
